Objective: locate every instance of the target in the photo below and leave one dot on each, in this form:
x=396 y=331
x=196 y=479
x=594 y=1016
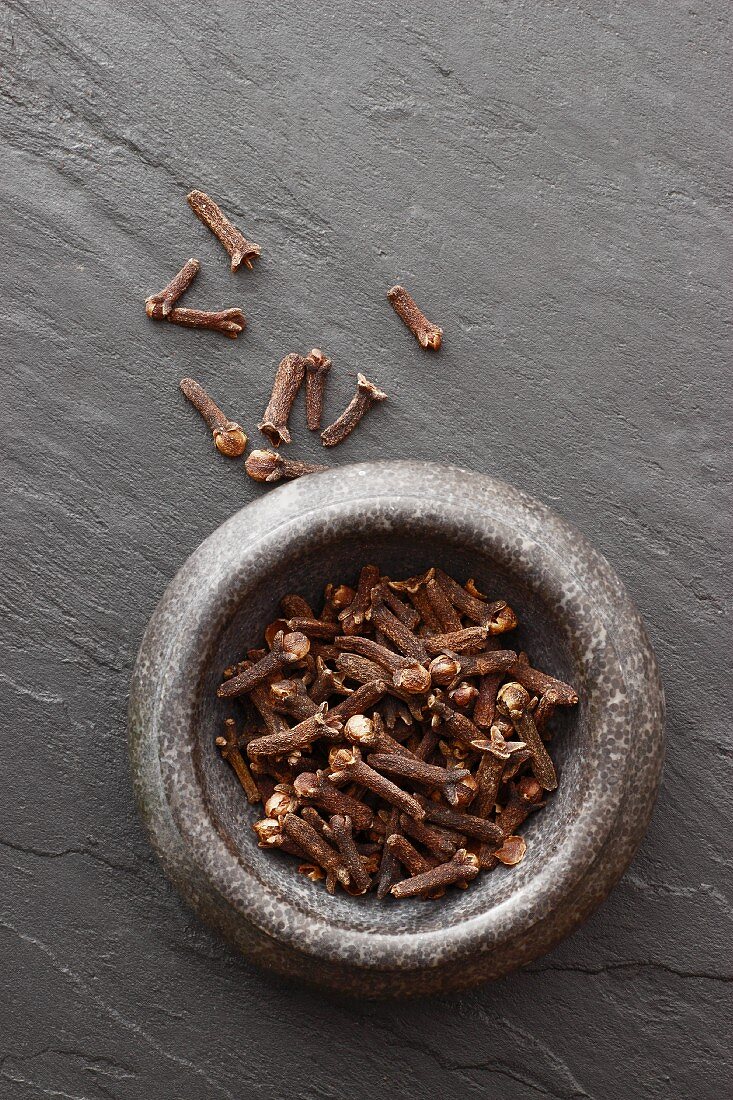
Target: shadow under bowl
x=576 y=622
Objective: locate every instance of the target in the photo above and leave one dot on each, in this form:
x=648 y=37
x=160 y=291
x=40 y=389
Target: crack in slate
x=641 y=964
x=129 y=1025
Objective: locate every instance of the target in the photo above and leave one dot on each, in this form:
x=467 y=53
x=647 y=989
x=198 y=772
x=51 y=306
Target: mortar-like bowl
x=576 y=621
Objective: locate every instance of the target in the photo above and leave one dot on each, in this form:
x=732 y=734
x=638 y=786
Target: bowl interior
x=334 y=549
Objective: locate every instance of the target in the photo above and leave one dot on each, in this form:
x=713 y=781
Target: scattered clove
x=366 y=395
x=229 y=438
x=239 y=248
x=269 y=466
x=317 y=366
x=288 y=380
x=230 y=322
x=158 y=306
x=425 y=332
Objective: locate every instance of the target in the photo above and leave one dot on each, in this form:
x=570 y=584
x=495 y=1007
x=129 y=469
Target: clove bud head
x=360 y=729
x=264 y=465
x=339 y=758
x=463 y=694
x=466 y=858
x=305 y=785
x=530 y=790
x=443 y=670
x=295 y=647
x=282 y=801
x=282 y=690
x=415 y=680
x=316 y=362
x=230 y=441
x=269 y=833
x=340 y=596
x=513 y=699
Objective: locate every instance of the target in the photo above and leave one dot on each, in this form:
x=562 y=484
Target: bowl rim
x=349 y=490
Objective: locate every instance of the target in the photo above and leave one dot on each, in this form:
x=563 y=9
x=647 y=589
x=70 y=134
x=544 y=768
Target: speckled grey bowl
x=576 y=622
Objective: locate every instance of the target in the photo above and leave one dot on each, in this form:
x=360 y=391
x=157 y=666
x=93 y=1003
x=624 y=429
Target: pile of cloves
x=394 y=740
x=229 y=438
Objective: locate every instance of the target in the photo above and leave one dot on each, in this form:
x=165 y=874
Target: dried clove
x=360 y=608
x=468 y=640
x=425 y=332
x=315 y=728
x=158 y=306
x=288 y=380
x=396 y=773
x=288 y=649
x=229 y=438
x=461 y=869
x=290 y=697
x=317 y=366
x=444 y=780
x=366 y=395
x=464 y=823
x=400 y=635
x=389 y=868
x=336 y=598
x=314 y=628
x=269 y=466
x=525 y=796
x=344 y=838
x=416 y=590
x=459 y=725
x=413 y=861
x=384 y=742
x=229 y=747
x=306 y=837
x=443 y=843
x=318 y=790
x=555 y=691
x=293 y=606
x=230 y=322
x=488 y=778
x=443 y=610
x=408 y=615
x=269 y=834
x=347 y=763
x=239 y=248
x=498 y=617
x=513 y=700
x=361 y=669
x=408 y=673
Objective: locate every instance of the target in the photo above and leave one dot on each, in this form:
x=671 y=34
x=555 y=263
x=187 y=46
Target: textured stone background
x=553 y=182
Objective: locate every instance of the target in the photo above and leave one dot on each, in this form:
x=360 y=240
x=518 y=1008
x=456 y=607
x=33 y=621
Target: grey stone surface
x=553 y=183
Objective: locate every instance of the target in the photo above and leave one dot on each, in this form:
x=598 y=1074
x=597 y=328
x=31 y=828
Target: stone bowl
x=576 y=621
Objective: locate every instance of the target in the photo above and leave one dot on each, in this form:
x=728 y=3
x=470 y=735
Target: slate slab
x=553 y=183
